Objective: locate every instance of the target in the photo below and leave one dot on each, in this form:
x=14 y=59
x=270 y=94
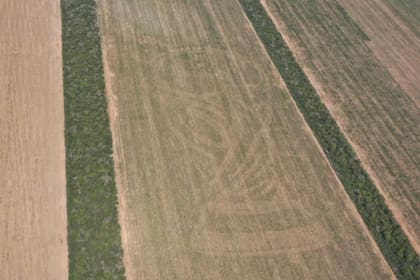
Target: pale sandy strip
x=33 y=220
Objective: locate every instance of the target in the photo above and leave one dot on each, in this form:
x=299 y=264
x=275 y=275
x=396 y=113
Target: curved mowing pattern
x=370 y=204
x=94 y=239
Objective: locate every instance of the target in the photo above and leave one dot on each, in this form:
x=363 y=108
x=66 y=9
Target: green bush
x=94 y=239
x=390 y=238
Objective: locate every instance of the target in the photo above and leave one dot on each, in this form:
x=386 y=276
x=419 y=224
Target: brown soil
x=33 y=235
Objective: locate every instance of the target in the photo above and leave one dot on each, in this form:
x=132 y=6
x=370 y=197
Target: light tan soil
x=218 y=175
x=33 y=231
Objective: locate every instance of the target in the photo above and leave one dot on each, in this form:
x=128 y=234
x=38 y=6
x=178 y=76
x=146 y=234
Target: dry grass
x=32 y=158
x=351 y=68
x=219 y=177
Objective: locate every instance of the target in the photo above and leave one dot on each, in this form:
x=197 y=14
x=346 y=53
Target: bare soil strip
x=218 y=175
x=32 y=157
x=380 y=120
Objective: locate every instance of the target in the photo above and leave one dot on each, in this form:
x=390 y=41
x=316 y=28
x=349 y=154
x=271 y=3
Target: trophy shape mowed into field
x=219 y=176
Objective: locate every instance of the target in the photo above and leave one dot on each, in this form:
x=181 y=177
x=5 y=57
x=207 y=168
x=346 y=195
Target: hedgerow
x=391 y=240
x=94 y=239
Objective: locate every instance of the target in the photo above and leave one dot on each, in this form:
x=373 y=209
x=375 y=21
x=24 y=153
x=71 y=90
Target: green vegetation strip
x=94 y=239
x=390 y=238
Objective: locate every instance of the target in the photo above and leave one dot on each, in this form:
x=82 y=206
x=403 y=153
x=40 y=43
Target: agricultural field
x=363 y=60
x=33 y=235
x=209 y=139
x=218 y=175
x=391 y=40
x=408 y=11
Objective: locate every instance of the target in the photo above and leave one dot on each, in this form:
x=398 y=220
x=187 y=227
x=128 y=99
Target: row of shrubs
x=94 y=239
x=386 y=231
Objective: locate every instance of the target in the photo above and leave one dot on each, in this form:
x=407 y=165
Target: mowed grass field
x=366 y=86
x=218 y=175
x=33 y=233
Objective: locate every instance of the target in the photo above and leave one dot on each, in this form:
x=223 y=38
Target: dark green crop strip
x=94 y=237
x=391 y=240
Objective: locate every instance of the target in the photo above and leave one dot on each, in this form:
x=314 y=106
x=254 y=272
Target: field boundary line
x=94 y=239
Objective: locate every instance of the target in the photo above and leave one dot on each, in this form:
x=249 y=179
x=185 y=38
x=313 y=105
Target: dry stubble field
x=219 y=177
x=365 y=74
x=391 y=40
x=33 y=235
